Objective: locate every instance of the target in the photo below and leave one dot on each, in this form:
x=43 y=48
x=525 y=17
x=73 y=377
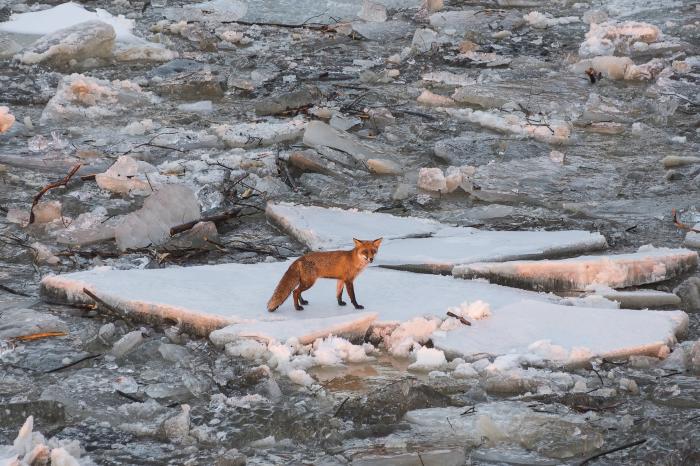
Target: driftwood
x=49 y=187
x=214 y=218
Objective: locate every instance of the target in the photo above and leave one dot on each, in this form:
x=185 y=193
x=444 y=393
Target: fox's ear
x=357 y=242
x=377 y=242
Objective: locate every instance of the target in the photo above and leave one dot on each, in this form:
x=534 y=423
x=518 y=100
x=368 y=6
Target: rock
x=689 y=292
x=72 y=46
x=47 y=211
x=188 y=79
x=171 y=205
x=199 y=236
x=371 y=11
x=383 y=167
x=6 y=119
x=381 y=117
x=127 y=176
x=82 y=98
x=423 y=39
x=432 y=179
x=20 y=322
x=281 y=103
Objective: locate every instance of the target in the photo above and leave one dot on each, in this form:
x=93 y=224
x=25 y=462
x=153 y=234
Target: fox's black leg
x=339 y=293
x=351 y=293
x=302 y=300
x=296 y=295
x=298 y=300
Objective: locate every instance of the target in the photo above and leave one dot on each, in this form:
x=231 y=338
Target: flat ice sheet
x=423 y=245
x=567 y=334
x=213 y=296
x=648 y=265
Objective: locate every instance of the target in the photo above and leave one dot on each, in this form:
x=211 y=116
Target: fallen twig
x=612 y=450
x=213 y=218
x=74 y=363
x=337 y=411
x=112 y=310
x=50 y=186
x=460 y=318
x=12 y=291
x=680 y=224
x=39 y=336
x=129 y=397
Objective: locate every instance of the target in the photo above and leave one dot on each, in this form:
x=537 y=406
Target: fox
x=343 y=266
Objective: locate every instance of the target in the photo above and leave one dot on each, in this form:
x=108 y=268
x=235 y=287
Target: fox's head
x=366 y=250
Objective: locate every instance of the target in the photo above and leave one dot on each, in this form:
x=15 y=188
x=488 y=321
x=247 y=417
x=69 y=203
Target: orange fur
x=343 y=266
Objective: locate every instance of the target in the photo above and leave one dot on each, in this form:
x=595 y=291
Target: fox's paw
x=359 y=306
x=303 y=301
x=341 y=303
x=272 y=309
x=299 y=308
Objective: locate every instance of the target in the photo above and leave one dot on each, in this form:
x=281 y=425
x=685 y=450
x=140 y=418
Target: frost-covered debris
x=648 y=265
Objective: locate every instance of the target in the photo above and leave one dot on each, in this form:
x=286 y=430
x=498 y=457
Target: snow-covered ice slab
x=648 y=265
x=535 y=332
x=423 y=245
x=209 y=297
x=641 y=299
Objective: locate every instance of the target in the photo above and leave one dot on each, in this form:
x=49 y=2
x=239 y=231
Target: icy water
x=129 y=409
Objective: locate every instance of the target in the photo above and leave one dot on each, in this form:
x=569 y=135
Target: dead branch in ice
x=213 y=218
x=680 y=224
x=612 y=450
x=110 y=309
x=50 y=186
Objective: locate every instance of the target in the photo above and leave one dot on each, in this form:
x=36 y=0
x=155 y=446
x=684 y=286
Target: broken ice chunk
x=260 y=134
x=641 y=299
x=423 y=39
x=539 y=20
x=281 y=103
x=371 y=11
x=91 y=39
x=171 y=205
x=47 y=211
x=319 y=134
x=6 y=119
x=648 y=265
x=692 y=238
x=127 y=176
x=609 y=37
x=432 y=179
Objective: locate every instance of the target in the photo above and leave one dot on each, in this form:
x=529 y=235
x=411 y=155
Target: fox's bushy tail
x=290 y=280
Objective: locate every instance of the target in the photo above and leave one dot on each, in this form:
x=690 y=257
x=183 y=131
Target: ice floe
x=648 y=265
x=421 y=244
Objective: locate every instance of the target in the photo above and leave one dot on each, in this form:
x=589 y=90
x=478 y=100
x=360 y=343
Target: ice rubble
x=692 y=238
x=319 y=134
x=543 y=20
x=611 y=37
x=80 y=97
x=552 y=131
x=32 y=448
x=421 y=244
x=127 y=176
x=509 y=422
x=648 y=265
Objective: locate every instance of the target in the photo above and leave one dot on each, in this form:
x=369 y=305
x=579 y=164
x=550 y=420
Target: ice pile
x=648 y=265
x=539 y=20
x=127 y=176
x=260 y=134
x=80 y=98
x=6 y=119
x=613 y=38
x=419 y=244
x=30 y=448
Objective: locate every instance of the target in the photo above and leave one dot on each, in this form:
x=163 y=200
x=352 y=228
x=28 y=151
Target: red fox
x=341 y=265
